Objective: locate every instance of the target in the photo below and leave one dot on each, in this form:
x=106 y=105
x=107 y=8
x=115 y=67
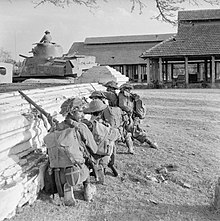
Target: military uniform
x=120 y=117
x=111 y=94
x=78 y=133
x=112 y=98
x=105 y=132
x=46 y=38
x=126 y=103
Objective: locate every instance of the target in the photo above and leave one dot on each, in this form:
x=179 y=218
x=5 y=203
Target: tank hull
x=48 y=61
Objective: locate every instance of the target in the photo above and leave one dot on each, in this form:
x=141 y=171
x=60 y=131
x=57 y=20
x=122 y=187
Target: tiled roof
x=210 y=14
x=197 y=39
x=126 y=39
x=114 y=54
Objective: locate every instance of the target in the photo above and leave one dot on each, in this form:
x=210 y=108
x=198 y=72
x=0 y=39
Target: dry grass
x=186 y=125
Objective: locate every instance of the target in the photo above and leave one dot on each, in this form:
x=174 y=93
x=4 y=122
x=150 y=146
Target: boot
x=151 y=144
x=101 y=174
x=69 y=199
x=111 y=165
x=89 y=191
x=115 y=172
x=129 y=144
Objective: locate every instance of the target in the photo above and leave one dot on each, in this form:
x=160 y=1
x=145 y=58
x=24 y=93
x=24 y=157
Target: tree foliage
x=166 y=8
x=5 y=56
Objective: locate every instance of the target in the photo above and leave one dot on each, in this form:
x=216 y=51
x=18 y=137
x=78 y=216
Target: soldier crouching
x=104 y=135
x=67 y=155
x=117 y=118
x=126 y=103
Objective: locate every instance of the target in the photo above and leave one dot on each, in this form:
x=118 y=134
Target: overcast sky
x=22 y=25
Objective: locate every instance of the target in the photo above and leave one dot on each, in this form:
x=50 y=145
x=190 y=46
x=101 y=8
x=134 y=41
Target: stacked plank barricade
x=22 y=151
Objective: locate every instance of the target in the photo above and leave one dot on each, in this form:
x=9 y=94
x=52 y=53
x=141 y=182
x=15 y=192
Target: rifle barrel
x=29 y=100
x=93 y=87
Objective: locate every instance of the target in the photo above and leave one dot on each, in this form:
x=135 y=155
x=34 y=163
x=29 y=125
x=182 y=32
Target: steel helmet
x=71 y=105
x=111 y=84
x=126 y=86
x=95 y=106
x=97 y=94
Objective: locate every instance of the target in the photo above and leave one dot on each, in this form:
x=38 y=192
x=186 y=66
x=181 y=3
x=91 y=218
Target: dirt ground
x=175 y=182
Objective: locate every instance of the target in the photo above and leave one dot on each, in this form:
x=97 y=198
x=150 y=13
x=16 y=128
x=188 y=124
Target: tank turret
x=42 y=63
x=47 y=50
x=48 y=61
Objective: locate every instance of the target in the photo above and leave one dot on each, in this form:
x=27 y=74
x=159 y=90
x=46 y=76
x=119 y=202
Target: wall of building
x=6 y=70
x=22 y=151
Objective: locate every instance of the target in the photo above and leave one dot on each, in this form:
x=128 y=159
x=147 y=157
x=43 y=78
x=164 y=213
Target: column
x=201 y=70
x=139 y=74
x=160 y=70
x=206 y=70
x=124 y=70
x=148 y=71
x=186 y=71
x=172 y=72
x=213 y=70
x=169 y=70
x=166 y=71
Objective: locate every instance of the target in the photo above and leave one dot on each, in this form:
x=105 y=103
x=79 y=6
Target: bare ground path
x=186 y=125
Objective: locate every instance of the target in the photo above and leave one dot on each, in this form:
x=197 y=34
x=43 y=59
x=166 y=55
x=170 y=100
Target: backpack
x=125 y=101
x=139 y=108
x=63 y=151
x=63 y=148
x=113 y=116
x=104 y=137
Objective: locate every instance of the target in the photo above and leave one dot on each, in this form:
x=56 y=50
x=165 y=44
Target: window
x=2 y=71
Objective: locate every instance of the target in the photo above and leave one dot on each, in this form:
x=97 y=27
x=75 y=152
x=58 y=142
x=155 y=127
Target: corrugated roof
x=126 y=39
x=196 y=39
x=114 y=54
x=210 y=14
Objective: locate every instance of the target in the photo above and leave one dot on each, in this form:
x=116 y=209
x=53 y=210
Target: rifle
x=80 y=92
x=93 y=87
x=53 y=122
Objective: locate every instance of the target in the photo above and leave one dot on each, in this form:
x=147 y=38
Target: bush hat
x=126 y=86
x=111 y=84
x=97 y=94
x=71 y=105
x=95 y=106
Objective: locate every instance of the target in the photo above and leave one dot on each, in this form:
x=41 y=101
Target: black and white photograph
x=110 y=110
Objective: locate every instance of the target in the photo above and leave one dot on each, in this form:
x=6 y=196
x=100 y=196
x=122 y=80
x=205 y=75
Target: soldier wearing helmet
x=114 y=116
x=46 y=38
x=126 y=98
x=110 y=93
x=104 y=134
x=126 y=103
x=72 y=110
x=98 y=95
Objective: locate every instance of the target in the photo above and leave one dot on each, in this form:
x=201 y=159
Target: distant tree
x=166 y=8
x=5 y=56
